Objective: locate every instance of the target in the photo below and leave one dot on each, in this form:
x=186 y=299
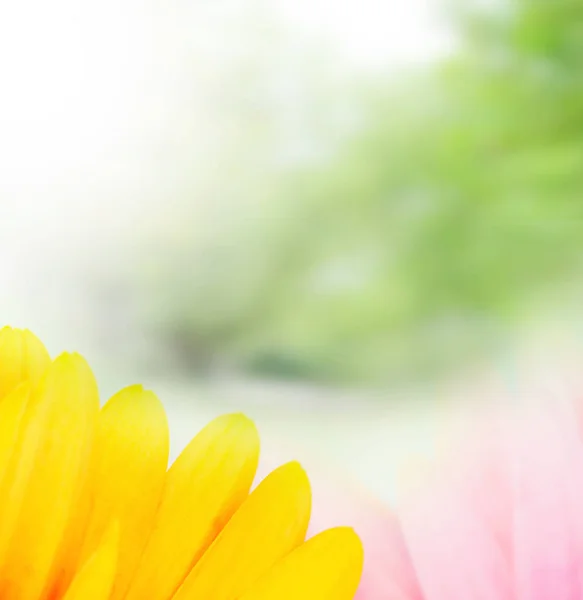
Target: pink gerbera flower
x=495 y=514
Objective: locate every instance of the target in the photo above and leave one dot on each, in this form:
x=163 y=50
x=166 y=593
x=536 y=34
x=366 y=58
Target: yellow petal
x=326 y=567
x=126 y=480
x=12 y=409
x=133 y=446
x=22 y=358
x=46 y=475
x=95 y=579
x=204 y=487
x=270 y=524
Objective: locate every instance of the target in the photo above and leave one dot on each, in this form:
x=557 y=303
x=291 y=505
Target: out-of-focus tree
x=418 y=240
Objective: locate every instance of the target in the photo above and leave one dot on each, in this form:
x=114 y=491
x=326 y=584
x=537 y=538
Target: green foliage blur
x=417 y=229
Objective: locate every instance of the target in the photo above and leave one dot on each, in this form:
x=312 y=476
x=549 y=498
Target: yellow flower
x=89 y=510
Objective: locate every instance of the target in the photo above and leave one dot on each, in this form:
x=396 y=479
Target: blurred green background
x=375 y=229
x=317 y=212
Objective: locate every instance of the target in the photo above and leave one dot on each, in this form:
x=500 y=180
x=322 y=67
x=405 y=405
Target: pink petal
x=548 y=501
x=388 y=573
x=455 y=553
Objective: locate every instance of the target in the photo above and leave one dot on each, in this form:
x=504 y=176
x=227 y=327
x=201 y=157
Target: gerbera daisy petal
x=439 y=529
x=46 y=475
x=548 y=495
x=132 y=449
x=204 y=487
x=12 y=410
x=95 y=579
x=90 y=511
x=326 y=567
x=22 y=358
x=270 y=523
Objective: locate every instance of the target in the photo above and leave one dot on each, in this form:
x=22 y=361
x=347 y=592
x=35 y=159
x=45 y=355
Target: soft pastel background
x=336 y=216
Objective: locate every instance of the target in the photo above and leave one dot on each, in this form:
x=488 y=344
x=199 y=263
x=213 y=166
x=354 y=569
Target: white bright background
x=96 y=101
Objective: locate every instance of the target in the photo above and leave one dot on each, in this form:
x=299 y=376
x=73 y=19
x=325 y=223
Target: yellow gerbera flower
x=89 y=511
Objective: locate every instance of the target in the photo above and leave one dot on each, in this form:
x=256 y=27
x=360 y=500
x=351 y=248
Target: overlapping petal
x=89 y=509
x=494 y=514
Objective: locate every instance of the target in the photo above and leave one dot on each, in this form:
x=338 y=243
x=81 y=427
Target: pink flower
x=497 y=514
